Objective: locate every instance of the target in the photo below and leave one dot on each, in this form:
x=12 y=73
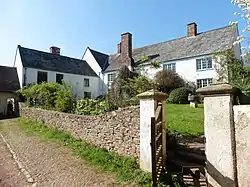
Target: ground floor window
x=42 y=77
x=87 y=95
x=203 y=82
x=59 y=78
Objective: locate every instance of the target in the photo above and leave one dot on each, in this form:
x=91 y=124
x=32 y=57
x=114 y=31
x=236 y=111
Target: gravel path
x=48 y=163
x=10 y=175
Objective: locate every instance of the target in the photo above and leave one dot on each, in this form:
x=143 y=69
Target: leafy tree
x=168 y=80
x=244 y=14
x=231 y=69
x=126 y=87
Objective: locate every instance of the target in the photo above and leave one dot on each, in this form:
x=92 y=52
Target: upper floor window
x=86 y=82
x=111 y=78
x=42 y=77
x=171 y=66
x=59 y=78
x=203 y=82
x=204 y=63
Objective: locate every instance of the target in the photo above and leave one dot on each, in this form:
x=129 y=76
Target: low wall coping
x=153 y=94
x=217 y=89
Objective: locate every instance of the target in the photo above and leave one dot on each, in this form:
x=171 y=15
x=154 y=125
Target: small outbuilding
x=9 y=84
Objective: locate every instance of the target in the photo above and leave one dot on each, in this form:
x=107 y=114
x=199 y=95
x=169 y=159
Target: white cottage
x=35 y=66
x=190 y=56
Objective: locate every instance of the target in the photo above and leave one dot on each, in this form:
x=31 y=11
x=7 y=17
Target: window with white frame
x=171 y=66
x=203 y=82
x=204 y=63
x=111 y=78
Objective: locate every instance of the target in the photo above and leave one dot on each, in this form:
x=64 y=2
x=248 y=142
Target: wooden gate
x=158 y=142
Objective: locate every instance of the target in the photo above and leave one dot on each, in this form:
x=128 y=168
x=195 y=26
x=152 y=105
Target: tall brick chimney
x=126 y=49
x=192 y=29
x=119 y=48
x=55 y=50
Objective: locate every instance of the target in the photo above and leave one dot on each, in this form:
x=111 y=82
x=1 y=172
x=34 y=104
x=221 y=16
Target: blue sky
x=74 y=25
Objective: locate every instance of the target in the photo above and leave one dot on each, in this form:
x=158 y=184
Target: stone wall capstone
x=115 y=131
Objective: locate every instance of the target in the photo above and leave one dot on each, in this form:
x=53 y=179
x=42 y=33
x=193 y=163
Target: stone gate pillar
x=220 y=135
x=148 y=104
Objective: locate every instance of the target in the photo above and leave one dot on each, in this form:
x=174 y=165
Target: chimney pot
x=192 y=29
x=55 y=50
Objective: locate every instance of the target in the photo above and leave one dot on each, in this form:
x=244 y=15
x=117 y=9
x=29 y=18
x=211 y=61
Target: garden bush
x=91 y=107
x=168 y=80
x=49 y=96
x=179 y=96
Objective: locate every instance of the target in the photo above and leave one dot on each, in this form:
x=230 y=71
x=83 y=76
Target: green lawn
x=185 y=120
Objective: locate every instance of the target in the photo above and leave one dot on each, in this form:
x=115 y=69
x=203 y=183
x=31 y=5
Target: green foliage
x=168 y=80
x=124 y=168
x=231 y=69
x=140 y=84
x=64 y=97
x=49 y=96
x=125 y=89
x=179 y=96
x=91 y=107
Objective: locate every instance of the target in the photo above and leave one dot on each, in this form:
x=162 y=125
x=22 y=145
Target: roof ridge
x=98 y=51
x=181 y=37
x=50 y=53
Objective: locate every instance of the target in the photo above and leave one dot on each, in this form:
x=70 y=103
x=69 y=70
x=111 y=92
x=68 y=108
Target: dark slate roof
x=9 y=81
x=101 y=58
x=204 y=43
x=52 y=62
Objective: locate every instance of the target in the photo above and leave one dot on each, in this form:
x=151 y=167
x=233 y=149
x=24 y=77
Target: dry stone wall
x=115 y=131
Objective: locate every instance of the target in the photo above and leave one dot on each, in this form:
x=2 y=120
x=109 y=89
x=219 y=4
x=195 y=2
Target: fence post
x=220 y=135
x=148 y=103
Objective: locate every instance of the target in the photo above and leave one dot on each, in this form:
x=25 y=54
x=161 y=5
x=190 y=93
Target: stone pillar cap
x=217 y=89
x=153 y=94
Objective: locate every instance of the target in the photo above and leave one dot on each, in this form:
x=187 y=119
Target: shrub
x=49 y=96
x=179 y=96
x=64 y=102
x=168 y=80
x=91 y=107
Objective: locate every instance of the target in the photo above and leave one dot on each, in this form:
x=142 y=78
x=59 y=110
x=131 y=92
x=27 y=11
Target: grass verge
x=124 y=168
x=185 y=120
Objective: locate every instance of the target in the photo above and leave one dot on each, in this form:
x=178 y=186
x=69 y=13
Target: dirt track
x=48 y=163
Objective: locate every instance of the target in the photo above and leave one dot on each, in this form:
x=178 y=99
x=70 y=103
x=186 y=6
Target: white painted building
x=98 y=62
x=35 y=66
x=190 y=56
